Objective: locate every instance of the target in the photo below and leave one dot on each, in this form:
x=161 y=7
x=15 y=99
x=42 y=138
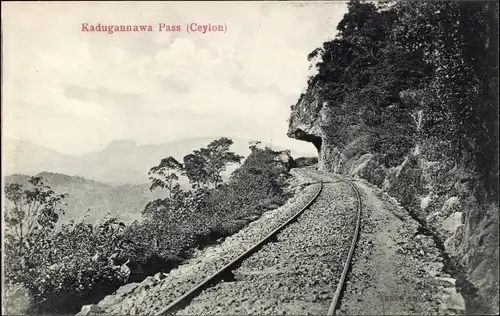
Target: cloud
x=155 y=87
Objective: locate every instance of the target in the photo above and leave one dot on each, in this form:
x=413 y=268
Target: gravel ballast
x=154 y=293
x=395 y=269
x=296 y=274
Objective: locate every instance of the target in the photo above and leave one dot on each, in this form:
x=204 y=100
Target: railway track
x=347 y=264
x=233 y=270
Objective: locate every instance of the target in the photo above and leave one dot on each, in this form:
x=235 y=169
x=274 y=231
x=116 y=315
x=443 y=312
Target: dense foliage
x=204 y=166
x=410 y=73
x=407 y=97
x=62 y=269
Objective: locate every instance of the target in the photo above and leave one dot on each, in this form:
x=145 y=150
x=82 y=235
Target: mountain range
x=111 y=181
x=121 y=162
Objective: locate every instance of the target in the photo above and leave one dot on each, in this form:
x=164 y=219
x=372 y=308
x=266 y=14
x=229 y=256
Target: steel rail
x=182 y=301
x=340 y=285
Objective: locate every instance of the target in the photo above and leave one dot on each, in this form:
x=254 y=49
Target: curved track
x=347 y=265
x=226 y=273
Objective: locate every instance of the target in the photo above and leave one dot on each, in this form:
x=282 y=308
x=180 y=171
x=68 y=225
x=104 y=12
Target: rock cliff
x=437 y=192
x=398 y=139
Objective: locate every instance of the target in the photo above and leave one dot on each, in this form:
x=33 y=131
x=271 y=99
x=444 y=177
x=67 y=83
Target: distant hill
x=114 y=179
x=125 y=201
x=27 y=158
x=121 y=162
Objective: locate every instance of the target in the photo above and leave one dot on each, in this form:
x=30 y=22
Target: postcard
x=250 y=157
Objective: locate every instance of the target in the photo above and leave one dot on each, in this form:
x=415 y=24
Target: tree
x=205 y=165
x=33 y=211
x=219 y=157
x=195 y=169
x=30 y=217
x=164 y=174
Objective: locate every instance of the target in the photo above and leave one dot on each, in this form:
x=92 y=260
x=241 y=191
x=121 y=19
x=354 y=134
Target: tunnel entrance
x=315 y=140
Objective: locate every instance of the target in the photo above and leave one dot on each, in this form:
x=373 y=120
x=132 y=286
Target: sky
x=76 y=91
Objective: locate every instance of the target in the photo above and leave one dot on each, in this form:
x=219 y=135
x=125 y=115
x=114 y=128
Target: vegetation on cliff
x=409 y=101
x=59 y=270
x=389 y=62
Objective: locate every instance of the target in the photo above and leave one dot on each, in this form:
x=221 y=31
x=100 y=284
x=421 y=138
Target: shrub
x=80 y=263
x=62 y=269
